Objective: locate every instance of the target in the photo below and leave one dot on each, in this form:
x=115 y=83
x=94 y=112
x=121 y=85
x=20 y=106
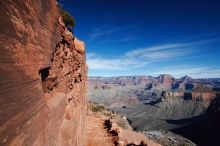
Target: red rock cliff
x=42 y=76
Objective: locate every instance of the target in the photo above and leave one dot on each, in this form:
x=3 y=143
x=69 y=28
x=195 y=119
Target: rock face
x=149 y=90
x=167 y=138
x=161 y=102
x=204 y=131
x=42 y=76
x=127 y=137
x=97 y=82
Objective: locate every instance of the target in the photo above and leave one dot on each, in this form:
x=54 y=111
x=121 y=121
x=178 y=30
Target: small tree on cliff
x=68 y=19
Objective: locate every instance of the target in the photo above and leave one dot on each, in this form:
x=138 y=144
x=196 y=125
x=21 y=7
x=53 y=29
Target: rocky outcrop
x=167 y=138
x=128 y=90
x=162 y=82
x=127 y=137
x=166 y=96
x=207 y=96
x=186 y=78
x=97 y=82
x=102 y=131
x=205 y=130
x=42 y=76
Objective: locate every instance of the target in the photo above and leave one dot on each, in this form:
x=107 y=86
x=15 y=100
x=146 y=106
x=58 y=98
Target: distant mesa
x=186 y=78
x=147 y=89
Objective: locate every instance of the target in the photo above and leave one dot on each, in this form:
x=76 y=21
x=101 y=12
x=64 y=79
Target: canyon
x=154 y=104
x=47 y=98
x=147 y=89
x=43 y=82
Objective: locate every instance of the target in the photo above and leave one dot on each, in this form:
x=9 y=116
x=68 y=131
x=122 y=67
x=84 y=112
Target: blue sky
x=149 y=37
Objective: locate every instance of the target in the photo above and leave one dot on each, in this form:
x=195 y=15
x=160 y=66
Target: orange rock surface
x=103 y=132
x=42 y=77
x=96 y=134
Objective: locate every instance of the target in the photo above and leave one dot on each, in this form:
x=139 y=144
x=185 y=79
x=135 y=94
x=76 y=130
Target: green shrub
x=68 y=19
x=97 y=108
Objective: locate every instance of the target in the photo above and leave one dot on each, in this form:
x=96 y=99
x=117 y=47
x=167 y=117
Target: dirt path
x=102 y=130
x=96 y=133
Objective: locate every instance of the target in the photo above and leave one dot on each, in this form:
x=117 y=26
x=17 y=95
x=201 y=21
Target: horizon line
x=93 y=76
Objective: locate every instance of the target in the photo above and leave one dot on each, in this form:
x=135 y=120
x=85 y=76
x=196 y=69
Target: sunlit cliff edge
x=43 y=77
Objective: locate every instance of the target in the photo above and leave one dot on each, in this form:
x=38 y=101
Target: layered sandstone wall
x=43 y=76
x=206 y=96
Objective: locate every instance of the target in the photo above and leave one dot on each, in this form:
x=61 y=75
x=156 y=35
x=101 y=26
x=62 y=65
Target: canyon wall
x=126 y=90
x=43 y=76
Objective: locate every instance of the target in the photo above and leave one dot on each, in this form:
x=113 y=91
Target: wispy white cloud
x=105 y=31
x=121 y=63
x=168 y=51
x=194 y=71
x=136 y=58
x=142 y=57
x=163 y=52
x=123 y=39
x=137 y=52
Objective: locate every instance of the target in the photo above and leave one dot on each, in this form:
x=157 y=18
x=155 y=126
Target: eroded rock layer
x=127 y=90
x=42 y=76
